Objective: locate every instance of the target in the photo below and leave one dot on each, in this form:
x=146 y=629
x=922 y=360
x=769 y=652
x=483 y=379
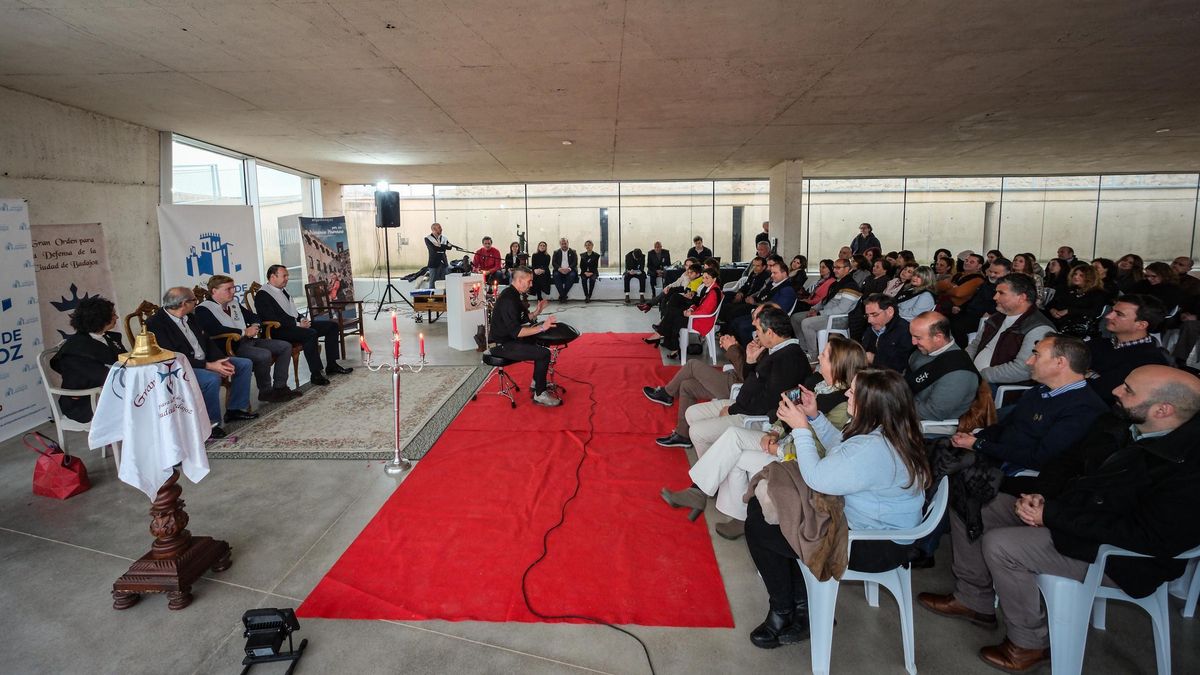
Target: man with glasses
x=843 y=295
x=176 y=328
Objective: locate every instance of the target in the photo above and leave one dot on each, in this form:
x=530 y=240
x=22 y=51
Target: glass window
x=468 y=213
x=952 y=213
x=1153 y=215
x=579 y=212
x=1041 y=213
x=837 y=207
x=406 y=242
x=741 y=208
x=200 y=176
x=281 y=203
x=671 y=212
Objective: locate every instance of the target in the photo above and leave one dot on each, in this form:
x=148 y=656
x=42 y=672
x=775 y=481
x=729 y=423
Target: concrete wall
x=75 y=166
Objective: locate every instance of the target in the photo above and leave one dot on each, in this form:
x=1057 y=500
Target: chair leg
x=822 y=602
x=684 y=340
x=1160 y=619
x=872 y=590
x=905 y=600
x=507 y=386
x=1067 y=605
x=296 y=368
x=1191 y=586
x=711 y=338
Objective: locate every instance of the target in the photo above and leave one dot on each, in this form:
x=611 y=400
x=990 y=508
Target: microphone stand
x=390 y=288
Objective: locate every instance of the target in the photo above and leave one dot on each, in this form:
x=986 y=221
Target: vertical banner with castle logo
x=327 y=257
x=23 y=403
x=72 y=264
x=200 y=241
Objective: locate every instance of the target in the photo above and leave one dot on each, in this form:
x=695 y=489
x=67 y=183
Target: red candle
x=421 y=337
x=396 y=347
x=362 y=343
x=395 y=328
x=495 y=290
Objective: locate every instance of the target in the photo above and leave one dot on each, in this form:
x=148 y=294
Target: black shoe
x=239 y=416
x=658 y=395
x=919 y=560
x=652 y=340
x=644 y=307
x=218 y=433
x=779 y=628
x=285 y=394
x=674 y=441
x=673 y=355
x=335 y=369
x=271 y=396
x=655 y=326
x=319 y=380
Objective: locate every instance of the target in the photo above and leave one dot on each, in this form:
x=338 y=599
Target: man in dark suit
x=176 y=329
x=699 y=250
x=565 y=264
x=657 y=262
x=274 y=304
x=887 y=341
x=84 y=358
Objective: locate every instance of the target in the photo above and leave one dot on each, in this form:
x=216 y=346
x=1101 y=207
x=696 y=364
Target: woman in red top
x=707 y=299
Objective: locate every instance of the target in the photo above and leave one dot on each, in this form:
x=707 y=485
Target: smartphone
x=793 y=395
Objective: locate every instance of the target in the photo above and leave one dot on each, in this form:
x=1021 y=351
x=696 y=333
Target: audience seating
x=53 y=384
x=347 y=314
x=709 y=338
x=824 y=333
x=143 y=313
x=822 y=595
x=1068 y=603
x=268 y=326
x=1187 y=587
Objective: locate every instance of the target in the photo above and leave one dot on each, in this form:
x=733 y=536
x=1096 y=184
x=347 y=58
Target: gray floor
x=289 y=520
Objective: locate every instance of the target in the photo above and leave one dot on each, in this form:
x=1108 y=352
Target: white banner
x=23 y=403
x=72 y=265
x=200 y=241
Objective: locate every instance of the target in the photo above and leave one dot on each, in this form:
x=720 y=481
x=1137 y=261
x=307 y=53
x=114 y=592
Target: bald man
x=1133 y=482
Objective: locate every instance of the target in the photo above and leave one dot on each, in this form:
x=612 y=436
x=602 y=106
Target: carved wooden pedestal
x=176 y=559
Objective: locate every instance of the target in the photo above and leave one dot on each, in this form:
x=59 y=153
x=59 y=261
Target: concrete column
x=787 y=189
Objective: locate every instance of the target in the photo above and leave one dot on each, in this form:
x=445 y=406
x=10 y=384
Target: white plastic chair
x=822 y=595
x=1006 y=389
x=823 y=334
x=1187 y=587
x=710 y=338
x=53 y=384
x=1068 y=603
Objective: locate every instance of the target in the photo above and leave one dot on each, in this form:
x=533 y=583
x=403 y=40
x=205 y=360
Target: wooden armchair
x=225 y=339
x=268 y=326
x=347 y=314
x=140 y=315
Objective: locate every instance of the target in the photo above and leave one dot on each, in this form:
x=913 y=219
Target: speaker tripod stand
x=386 y=298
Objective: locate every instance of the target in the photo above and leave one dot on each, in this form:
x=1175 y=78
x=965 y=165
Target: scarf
x=232 y=320
x=285 y=302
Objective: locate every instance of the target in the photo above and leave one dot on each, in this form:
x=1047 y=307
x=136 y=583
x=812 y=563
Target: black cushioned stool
x=507 y=384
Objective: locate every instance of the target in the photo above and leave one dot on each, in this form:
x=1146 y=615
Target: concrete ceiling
x=487 y=91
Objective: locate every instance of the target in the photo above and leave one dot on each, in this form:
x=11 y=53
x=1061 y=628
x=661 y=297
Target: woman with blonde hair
x=725 y=470
x=916 y=297
x=1076 y=311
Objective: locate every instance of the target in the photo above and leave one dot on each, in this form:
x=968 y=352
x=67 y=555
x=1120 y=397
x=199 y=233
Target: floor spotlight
x=265 y=630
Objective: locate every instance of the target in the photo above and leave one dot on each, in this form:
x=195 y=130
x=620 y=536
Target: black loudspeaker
x=387 y=209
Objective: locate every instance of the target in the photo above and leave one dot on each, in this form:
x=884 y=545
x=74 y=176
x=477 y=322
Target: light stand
x=397 y=464
x=390 y=288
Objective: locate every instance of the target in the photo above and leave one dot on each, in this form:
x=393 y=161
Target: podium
x=465 y=301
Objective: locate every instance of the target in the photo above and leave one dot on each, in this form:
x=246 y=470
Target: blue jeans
x=239 y=395
x=564 y=282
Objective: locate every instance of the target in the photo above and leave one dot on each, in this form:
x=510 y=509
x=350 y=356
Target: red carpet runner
x=454 y=539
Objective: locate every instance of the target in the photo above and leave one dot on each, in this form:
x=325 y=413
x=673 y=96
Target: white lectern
x=465 y=295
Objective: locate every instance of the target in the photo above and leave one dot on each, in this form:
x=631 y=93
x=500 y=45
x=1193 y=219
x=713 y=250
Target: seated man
x=635 y=268
x=778 y=290
x=659 y=299
x=84 y=358
x=1134 y=482
x=1006 y=340
x=756 y=277
x=843 y=295
x=942 y=378
x=1062 y=402
x=509 y=332
x=773 y=365
x=964 y=319
x=699 y=251
x=657 y=262
x=697 y=381
x=220 y=314
x=887 y=341
x=487 y=260
x=274 y=304
x=1131 y=346
x=565 y=263
x=956 y=290
x=176 y=329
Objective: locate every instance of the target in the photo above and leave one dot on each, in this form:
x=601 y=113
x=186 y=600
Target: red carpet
x=454 y=539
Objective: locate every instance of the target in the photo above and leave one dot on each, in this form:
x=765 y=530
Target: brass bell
x=145 y=351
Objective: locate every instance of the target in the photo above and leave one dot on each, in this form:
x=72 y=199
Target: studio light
x=382 y=186
x=265 y=630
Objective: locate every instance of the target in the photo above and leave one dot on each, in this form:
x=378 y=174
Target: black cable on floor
x=562 y=516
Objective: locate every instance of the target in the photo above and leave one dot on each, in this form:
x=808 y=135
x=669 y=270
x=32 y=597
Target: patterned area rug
x=352 y=418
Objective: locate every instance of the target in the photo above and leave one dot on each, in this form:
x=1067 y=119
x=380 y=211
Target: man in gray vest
x=1007 y=338
x=940 y=374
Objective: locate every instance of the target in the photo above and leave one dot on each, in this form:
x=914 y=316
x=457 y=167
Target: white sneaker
x=547 y=399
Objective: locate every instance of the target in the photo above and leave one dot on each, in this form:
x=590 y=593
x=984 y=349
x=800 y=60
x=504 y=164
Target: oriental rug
x=454 y=540
x=352 y=417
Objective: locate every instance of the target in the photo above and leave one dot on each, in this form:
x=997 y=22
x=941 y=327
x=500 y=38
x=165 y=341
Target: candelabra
x=396 y=464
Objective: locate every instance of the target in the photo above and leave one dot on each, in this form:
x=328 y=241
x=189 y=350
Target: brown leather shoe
x=948 y=605
x=1014 y=659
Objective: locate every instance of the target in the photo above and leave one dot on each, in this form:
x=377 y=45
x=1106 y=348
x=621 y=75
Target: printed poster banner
x=72 y=264
x=23 y=403
x=327 y=256
x=200 y=241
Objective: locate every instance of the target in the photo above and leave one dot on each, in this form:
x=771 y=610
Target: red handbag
x=56 y=473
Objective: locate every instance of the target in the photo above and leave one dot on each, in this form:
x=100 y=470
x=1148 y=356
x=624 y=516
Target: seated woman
x=877 y=465
x=676 y=314
x=798 y=274
x=83 y=359
x=902 y=279
x=1024 y=263
x=819 y=288
x=1076 y=310
x=725 y=470
x=540 y=262
x=916 y=297
x=512 y=260
x=1159 y=280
